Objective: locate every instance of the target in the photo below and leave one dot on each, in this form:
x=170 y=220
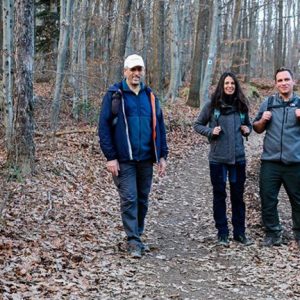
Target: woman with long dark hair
x=225 y=121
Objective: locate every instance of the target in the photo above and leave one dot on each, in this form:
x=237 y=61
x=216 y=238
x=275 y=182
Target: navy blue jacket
x=139 y=131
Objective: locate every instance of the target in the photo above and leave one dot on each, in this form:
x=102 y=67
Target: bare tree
x=235 y=42
x=157 y=65
x=175 y=51
x=251 y=40
x=199 y=48
x=65 y=18
x=78 y=78
x=209 y=68
x=278 y=53
x=119 y=42
x=21 y=155
x=8 y=81
x=296 y=45
x=144 y=12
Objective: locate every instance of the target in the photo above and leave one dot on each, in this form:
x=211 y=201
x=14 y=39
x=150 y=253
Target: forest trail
x=77 y=249
x=189 y=264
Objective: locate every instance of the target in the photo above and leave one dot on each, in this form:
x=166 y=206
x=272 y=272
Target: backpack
x=115 y=105
x=283 y=104
x=217 y=114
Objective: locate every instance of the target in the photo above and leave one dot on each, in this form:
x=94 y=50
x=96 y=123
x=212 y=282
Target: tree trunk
x=74 y=65
x=1 y=37
x=65 y=18
x=250 y=44
x=200 y=45
x=108 y=37
x=119 y=43
x=145 y=21
x=269 y=45
x=175 y=53
x=54 y=10
x=296 y=47
x=234 y=48
x=278 y=55
x=78 y=66
x=8 y=65
x=212 y=54
x=21 y=156
x=158 y=37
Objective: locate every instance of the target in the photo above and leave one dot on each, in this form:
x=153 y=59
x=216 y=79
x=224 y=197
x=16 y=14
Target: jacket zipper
x=126 y=130
x=283 y=118
x=140 y=134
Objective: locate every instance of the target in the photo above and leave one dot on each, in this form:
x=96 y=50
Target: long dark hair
x=239 y=99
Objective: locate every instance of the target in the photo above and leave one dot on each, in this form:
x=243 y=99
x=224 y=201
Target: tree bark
x=8 y=66
x=119 y=43
x=145 y=20
x=198 y=57
x=65 y=19
x=210 y=64
x=250 y=44
x=158 y=37
x=175 y=52
x=21 y=156
x=234 y=48
x=278 y=54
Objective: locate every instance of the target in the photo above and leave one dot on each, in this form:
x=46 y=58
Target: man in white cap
x=133 y=137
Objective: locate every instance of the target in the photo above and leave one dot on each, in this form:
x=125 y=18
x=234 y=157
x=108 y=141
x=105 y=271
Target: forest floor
x=61 y=235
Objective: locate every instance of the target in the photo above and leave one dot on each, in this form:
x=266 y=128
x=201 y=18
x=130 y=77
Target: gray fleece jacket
x=228 y=147
x=282 y=138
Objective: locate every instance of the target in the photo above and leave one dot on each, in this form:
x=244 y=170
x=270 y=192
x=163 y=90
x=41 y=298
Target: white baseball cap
x=133 y=60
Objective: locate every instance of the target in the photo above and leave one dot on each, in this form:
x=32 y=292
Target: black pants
x=237 y=176
x=272 y=176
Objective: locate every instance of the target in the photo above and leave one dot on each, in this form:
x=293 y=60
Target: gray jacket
x=228 y=147
x=282 y=138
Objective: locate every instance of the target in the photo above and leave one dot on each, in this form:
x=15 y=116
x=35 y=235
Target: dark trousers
x=272 y=176
x=134 y=184
x=237 y=176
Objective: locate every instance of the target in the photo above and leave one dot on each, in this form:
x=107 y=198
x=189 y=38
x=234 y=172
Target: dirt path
x=186 y=263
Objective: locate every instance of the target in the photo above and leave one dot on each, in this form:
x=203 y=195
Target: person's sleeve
x=105 y=129
x=202 y=120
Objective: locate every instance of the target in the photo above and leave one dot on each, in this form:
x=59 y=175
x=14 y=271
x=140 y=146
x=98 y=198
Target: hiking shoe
x=270 y=241
x=145 y=248
x=134 y=251
x=243 y=239
x=223 y=240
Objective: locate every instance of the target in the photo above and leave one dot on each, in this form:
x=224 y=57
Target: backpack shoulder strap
x=270 y=103
x=116 y=101
x=242 y=117
x=217 y=113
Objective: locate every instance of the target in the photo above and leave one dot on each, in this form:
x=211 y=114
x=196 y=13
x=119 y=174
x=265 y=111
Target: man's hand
x=217 y=130
x=113 y=167
x=260 y=125
x=266 y=116
x=245 y=130
x=297 y=113
x=162 y=165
